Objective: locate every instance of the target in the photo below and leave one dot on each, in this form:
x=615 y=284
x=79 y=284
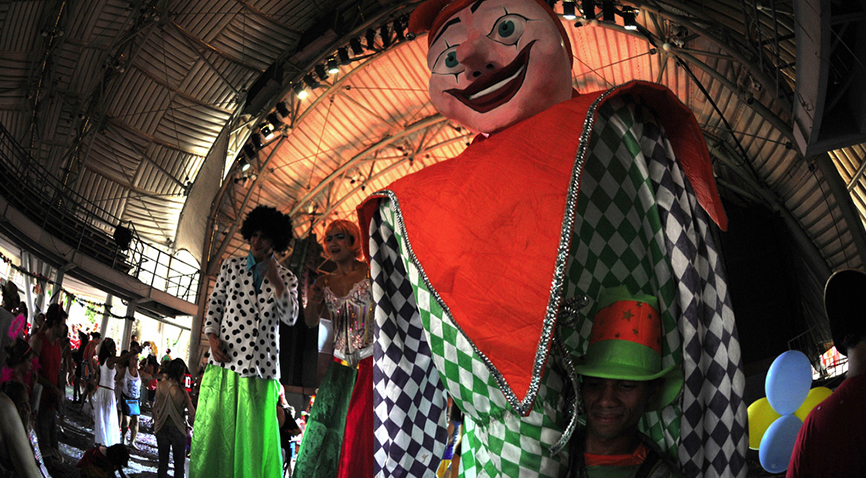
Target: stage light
x=386 y=36
x=398 y=30
x=357 y=49
x=589 y=9
x=320 y=72
x=333 y=68
x=274 y=120
x=256 y=139
x=300 y=91
x=282 y=109
x=371 y=39
x=266 y=131
x=608 y=11
x=244 y=164
x=568 y=11
x=628 y=20
x=249 y=151
x=343 y=55
x=310 y=81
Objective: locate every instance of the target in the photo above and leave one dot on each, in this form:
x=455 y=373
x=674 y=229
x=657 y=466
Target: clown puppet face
x=497 y=62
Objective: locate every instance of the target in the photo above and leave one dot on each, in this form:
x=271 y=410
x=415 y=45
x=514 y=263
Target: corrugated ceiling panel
x=21 y=25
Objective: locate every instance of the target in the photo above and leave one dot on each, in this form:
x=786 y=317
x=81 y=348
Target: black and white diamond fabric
x=408 y=399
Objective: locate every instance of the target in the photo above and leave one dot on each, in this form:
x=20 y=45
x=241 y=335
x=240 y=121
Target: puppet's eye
x=447 y=62
x=451 y=59
x=508 y=29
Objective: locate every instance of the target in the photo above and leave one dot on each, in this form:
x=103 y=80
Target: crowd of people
x=42 y=359
x=460 y=351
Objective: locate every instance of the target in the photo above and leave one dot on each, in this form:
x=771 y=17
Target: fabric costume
x=336 y=440
x=613 y=204
x=832 y=439
x=235 y=432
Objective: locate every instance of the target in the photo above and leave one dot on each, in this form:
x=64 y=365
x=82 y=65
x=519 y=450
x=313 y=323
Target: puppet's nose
x=476 y=56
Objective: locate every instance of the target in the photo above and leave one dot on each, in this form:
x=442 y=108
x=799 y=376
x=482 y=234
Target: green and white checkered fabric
x=497 y=440
x=635 y=219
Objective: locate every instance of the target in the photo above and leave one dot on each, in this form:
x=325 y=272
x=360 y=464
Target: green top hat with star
x=626 y=344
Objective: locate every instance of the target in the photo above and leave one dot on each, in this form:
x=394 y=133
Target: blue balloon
x=788 y=382
x=778 y=443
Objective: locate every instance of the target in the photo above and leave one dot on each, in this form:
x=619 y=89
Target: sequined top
x=352 y=317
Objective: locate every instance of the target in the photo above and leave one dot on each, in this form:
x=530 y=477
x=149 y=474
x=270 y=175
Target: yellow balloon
x=761 y=415
x=815 y=396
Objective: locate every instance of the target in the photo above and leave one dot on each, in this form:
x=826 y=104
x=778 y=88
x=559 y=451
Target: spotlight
x=357 y=49
x=568 y=11
x=628 y=14
x=343 y=54
x=371 y=39
x=274 y=120
x=282 y=109
x=320 y=72
x=608 y=11
x=244 y=164
x=332 y=66
x=249 y=151
x=256 y=139
x=266 y=130
x=310 y=81
x=589 y=9
x=398 y=30
x=386 y=36
x=300 y=91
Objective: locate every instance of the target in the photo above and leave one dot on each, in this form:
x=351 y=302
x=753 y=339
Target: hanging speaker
x=122 y=237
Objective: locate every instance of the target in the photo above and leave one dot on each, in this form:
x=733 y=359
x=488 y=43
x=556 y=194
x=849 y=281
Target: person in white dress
x=106 y=429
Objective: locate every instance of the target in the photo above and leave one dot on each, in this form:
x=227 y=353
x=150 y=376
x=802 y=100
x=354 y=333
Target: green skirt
x=319 y=455
x=235 y=431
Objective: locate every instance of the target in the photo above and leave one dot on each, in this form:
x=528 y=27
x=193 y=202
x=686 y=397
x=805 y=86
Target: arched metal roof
x=144 y=106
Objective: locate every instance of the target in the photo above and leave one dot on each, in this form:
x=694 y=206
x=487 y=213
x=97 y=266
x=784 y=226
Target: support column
x=28 y=284
x=195 y=336
x=45 y=271
x=103 y=327
x=127 y=324
x=58 y=284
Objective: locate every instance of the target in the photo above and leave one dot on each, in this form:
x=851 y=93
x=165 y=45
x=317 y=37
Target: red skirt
x=356 y=454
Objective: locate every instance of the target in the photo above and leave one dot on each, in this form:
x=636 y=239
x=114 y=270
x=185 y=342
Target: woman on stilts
x=337 y=439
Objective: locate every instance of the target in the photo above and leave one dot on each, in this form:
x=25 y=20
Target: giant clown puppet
x=487 y=267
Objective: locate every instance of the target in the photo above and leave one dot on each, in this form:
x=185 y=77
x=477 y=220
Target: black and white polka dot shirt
x=248 y=323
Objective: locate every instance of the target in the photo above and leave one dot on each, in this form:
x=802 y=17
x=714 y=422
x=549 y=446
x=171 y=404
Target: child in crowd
x=102 y=462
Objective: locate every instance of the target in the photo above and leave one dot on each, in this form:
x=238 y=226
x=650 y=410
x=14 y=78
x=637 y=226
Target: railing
x=826 y=362
x=84 y=225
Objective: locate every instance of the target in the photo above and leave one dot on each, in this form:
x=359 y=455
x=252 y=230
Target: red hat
x=432 y=14
x=625 y=344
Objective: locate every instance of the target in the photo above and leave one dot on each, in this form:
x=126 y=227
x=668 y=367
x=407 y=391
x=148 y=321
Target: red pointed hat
x=626 y=344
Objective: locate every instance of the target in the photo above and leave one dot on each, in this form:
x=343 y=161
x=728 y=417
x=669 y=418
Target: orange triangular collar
x=489 y=230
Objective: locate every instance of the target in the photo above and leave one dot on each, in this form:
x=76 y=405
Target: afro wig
x=273 y=224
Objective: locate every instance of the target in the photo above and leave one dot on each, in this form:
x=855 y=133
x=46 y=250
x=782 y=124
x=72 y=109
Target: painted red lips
x=497 y=88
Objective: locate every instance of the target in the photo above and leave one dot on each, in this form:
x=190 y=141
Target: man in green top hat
x=622 y=377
